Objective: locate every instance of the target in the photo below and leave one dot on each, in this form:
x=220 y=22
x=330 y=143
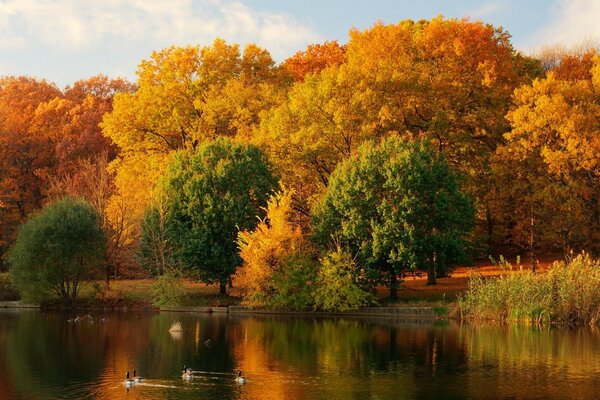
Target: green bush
x=8 y=292
x=293 y=284
x=57 y=250
x=569 y=293
x=168 y=289
x=337 y=286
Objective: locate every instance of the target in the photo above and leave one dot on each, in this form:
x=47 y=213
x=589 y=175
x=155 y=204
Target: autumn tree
x=87 y=102
x=57 y=250
x=314 y=59
x=550 y=165
x=185 y=96
x=215 y=192
x=94 y=183
x=277 y=268
x=27 y=154
x=397 y=206
x=449 y=79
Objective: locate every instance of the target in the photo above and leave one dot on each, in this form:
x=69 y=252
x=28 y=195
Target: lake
x=43 y=356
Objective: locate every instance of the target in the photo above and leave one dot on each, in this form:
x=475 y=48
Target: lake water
x=42 y=356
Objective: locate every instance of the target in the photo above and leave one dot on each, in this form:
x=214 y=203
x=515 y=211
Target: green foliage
x=569 y=293
x=293 y=284
x=337 y=284
x=168 y=289
x=215 y=192
x=8 y=291
x=57 y=250
x=397 y=205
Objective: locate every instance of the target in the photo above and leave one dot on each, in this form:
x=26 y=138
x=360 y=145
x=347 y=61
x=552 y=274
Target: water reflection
x=42 y=356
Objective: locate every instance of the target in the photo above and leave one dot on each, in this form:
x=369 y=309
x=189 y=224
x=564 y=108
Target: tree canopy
x=396 y=205
x=57 y=250
x=215 y=192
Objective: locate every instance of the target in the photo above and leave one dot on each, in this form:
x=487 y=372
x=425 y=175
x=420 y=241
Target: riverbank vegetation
x=568 y=293
x=409 y=149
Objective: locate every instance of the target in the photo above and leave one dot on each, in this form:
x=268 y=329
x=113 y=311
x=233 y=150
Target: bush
x=57 y=250
x=168 y=289
x=8 y=292
x=337 y=284
x=569 y=293
x=293 y=284
x=277 y=270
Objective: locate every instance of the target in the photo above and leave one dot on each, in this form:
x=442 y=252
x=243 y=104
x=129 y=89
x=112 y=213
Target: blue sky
x=67 y=40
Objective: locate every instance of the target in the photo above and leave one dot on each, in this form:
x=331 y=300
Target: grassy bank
x=568 y=293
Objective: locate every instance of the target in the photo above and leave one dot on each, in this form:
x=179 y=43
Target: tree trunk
x=490 y=226
x=431 y=275
x=223 y=287
x=107 y=277
x=393 y=284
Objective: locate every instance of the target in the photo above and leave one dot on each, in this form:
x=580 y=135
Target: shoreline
x=409 y=312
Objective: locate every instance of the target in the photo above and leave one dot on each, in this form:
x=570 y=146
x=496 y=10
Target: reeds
x=569 y=293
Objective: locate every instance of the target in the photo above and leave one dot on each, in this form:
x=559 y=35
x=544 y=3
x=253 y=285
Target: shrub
x=8 y=292
x=337 y=286
x=293 y=284
x=277 y=269
x=57 y=250
x=168 y=289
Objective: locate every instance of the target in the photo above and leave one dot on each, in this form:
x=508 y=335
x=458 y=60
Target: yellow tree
x=552 y=153
x=268 y=248
x=184 y=96
x=450 y=80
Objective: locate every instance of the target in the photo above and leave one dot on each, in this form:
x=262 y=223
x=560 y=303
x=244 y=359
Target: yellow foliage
x=267 y=249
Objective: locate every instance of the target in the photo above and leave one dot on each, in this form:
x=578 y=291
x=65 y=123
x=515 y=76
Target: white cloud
x=486 y=10
x=573 y=22
x=75 y=25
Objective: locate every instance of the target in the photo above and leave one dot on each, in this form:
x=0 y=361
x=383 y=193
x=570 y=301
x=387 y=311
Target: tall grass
x=569 y=293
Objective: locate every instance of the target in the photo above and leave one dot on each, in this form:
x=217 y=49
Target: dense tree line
x=511 y=141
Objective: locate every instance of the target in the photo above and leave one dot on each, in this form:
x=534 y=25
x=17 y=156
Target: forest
x=414 y=146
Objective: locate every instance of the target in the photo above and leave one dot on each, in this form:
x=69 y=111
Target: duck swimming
x=188 y=374
x=239 y=378
x=128 y=382
x=136 y=379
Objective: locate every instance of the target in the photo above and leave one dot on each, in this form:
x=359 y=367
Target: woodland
x=414 y=146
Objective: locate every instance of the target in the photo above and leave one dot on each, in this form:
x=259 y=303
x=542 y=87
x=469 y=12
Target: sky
x=64 y=41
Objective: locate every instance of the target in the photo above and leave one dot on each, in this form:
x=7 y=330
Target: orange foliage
x=314 y=59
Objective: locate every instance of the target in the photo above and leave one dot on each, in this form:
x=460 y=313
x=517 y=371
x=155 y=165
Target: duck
x=188 y=373
x=128 y=382
x=239 y=378
x=136 y=379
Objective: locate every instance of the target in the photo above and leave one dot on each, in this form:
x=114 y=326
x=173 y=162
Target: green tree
x=215 y=192
x=396 y=205
x=57 y=250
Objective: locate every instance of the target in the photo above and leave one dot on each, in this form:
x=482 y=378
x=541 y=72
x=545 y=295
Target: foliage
x=8 y=291
x=397 y=205
x=154 y=250
x=168 y=289
x=337 y=286
x=314 y=59
x=451 y=80
x=57 y=250
x=548 y=172
x=293 y=285
x=185 y=96
x=569 y=293
x=215 y=192
x=268 y=248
